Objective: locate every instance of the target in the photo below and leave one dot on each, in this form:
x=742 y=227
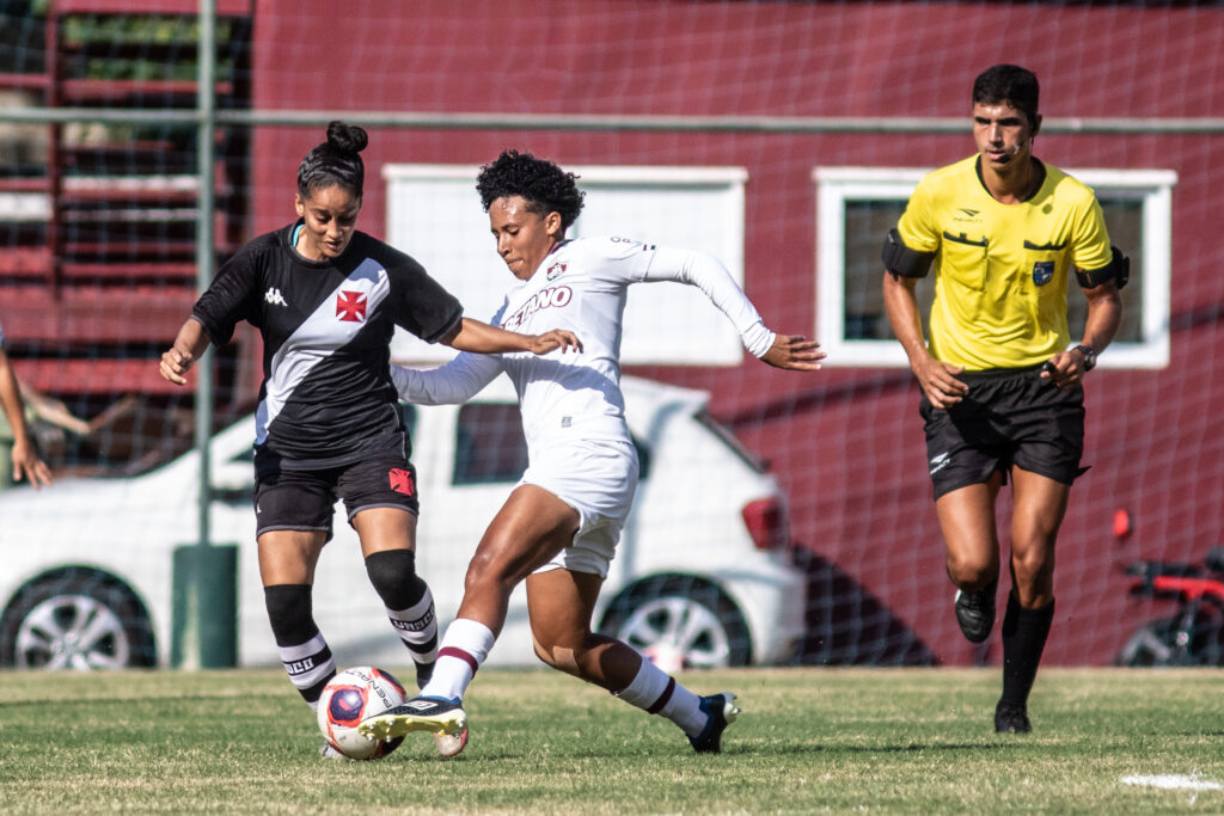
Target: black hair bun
x=346 y=138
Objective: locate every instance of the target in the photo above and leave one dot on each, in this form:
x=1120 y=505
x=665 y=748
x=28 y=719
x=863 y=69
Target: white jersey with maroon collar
x=581 y=286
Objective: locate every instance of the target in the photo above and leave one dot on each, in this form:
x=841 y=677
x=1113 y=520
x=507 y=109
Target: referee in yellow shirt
x=1005 y=234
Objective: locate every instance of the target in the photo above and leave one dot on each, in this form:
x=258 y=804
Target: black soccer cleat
x=436 y=715
x=722 y=711
x=975 y=612
x=1012 y=719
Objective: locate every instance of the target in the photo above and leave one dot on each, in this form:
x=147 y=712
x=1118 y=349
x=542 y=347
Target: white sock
x=464 y=648
x=417 y=628
x=656 y=692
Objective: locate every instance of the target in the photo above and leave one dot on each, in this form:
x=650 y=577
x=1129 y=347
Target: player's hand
x=27 y=465
x=939 y=382
x=174 y=366
x=1065 y=369
x=794 y=353
x=553 y=340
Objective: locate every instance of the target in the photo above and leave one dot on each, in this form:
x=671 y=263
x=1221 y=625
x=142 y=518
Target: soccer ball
x=350 y=697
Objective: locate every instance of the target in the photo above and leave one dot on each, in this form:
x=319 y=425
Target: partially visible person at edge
x=1001 y=378
x=18 y=457
x=559 y=528
x=326 y=298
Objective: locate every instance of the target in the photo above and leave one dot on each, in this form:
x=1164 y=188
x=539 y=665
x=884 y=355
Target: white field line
x=1173 y=782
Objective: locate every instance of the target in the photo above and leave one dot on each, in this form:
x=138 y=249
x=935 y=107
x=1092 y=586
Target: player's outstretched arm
x=190 y=343
x=457 y=381
x=481 y=338
x=794 y=353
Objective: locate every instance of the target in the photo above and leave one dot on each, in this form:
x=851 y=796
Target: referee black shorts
x=1009 y=417
x=303 y=499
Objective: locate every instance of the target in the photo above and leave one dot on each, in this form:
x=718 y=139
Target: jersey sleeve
x=709 y=275
x=1090 y=247
x=457 y=381
x=917 y=224
x=230 y=297
x=419 y=304
x=618 y=259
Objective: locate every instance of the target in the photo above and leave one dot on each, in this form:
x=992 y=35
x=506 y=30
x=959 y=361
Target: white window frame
x=837 y=185
x=713 y=342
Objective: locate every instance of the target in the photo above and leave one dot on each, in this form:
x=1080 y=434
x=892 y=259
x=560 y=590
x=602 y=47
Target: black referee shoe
x=975 y=612
x=1012 y=719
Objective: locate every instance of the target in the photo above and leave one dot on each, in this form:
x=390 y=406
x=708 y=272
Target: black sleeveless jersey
x=327 y=398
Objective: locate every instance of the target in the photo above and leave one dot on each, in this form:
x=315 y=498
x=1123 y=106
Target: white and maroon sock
x=464 y=648
x=656 y=692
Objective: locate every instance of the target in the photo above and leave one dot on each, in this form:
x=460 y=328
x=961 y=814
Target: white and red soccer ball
x=350 y=697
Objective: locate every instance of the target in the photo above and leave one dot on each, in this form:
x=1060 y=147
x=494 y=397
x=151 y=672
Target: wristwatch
x=1088 y=353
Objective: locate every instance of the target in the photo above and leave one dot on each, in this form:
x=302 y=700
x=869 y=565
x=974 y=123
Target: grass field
x=809 y=741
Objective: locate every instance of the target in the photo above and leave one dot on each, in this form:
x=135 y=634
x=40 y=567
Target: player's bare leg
x=967 y=521
x=1039 y=506
x=560 y=604
x=287 y=560
x=531 y=527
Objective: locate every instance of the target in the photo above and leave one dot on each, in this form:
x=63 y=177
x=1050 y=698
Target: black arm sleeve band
x=1117 y=270
x=903 y=262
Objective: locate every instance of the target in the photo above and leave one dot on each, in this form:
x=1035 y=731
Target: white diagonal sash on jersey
x=319 y=336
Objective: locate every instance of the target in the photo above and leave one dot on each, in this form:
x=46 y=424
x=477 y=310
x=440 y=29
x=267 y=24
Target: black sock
x=304 y=653
x=409 y=604
x=1024 y=638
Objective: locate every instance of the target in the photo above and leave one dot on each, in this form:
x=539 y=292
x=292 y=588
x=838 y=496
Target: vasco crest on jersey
x=351 y=306
x=1043 y=271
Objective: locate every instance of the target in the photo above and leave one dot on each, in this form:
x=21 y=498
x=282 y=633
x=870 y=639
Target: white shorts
x=598 y=479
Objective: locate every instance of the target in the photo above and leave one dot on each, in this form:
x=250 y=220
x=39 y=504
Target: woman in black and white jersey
x=326 y=299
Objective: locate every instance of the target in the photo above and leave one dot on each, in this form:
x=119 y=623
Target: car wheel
x=78 y=619
x=688 y=618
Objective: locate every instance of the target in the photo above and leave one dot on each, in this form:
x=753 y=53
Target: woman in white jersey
x=560 y=525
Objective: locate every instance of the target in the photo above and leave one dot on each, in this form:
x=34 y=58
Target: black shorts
x=1010 y=417
x=303 y=499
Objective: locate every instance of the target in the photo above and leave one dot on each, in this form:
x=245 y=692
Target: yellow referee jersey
x=1001 y=270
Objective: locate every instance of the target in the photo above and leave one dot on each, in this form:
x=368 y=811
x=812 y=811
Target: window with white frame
x=856 y=206
x=434 y=215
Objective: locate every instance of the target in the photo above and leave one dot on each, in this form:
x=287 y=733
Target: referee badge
x=1042 y=272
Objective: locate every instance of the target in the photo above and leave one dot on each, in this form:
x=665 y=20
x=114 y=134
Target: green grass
x=809 y=741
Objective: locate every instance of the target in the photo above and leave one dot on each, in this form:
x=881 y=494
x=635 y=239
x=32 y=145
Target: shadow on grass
x=849 y=626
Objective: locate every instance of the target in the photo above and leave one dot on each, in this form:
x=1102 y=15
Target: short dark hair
x=543 y=185
x=1011 y=84
x=336 y=161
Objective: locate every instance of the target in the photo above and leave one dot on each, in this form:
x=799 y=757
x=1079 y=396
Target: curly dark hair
x=543 y=185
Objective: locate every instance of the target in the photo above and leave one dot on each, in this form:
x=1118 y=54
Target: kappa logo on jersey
x=556 y=270
x=274 y=296
x=401 y=481
x=351 y=306
x=547 y=298
x=1043 y=271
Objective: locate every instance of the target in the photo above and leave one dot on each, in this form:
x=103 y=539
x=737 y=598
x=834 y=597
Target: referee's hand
x=939 y=383
x=1065 y=369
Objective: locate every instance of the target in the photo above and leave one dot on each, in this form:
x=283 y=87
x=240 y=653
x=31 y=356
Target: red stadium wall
x=847 y=443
